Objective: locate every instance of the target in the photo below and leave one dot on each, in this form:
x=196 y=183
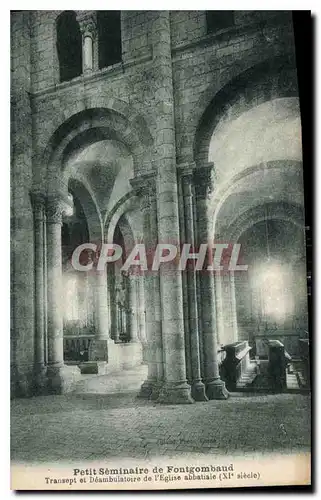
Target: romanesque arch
x=244 y=193
x=79 y=124
x=273 y=78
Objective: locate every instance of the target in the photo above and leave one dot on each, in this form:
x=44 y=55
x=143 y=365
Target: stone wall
x=202 y=65
x=22 y=242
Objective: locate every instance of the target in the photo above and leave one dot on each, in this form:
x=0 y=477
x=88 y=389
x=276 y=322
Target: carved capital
x=38 y=201
x=55 y=208
x=87 y=23
x=187 y=184
x=204 y=179
x=145 y=188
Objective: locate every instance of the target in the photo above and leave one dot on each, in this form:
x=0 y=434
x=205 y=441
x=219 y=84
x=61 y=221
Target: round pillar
x=101 y=305
x=87 y=24
x=175 y=389
x=146 y=190
x=215 y=387
x=197 y=387
x=54 y=278
x=60 y=377
x=132 y=309
x=38 y=202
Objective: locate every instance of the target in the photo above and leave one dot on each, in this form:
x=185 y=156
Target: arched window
x=219 y=19
x=109 y=38
x=69 y=46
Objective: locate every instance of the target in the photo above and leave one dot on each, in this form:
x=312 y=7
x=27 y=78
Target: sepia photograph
x=161 y=250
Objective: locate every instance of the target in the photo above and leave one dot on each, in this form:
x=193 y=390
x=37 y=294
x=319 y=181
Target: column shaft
x=98 y=350
x=229 y=308
x=39 y=214
x=219 y=307
x=101 y=312
x=153 y=355
x=54 y=263
x=132 y=309
x=215 y=388
x=87 y=24
x=152 y=300
x=141 y=315
x=198 y=388
x=185 y=290
x=176 y=388
x=60 y=377
x=114 y=334
x=87 y=53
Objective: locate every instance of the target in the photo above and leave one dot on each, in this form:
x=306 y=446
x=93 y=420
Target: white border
x=314 y=6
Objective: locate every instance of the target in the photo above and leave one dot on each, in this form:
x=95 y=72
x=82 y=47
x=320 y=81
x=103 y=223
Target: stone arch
x=127 y=232
x=220 y=196
x=102 y=118
x=89 y=206
x=273 y=78
x=268 y=211
x=120 y=208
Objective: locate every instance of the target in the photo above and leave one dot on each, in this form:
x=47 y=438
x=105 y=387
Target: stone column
x=101 y=305
x=38 y=202
x=176 y=389
x=87 y=24
x=60 y=377
x=215 y=387
x=146 y=190
x=229 y=308
x=219 y=307
x=132 y=308
x=184 y=283
x=141 y=309
x=114 y=334
x=233 y=304
x=98 y=351
x=198 y=388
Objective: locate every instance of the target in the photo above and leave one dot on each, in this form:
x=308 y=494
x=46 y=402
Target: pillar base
x=175 y=393
x=146 y=389
x=40 y=380
x=61 y=379
x=156 y=390
x=20 y=383
x=198 y=392
x=216 y=390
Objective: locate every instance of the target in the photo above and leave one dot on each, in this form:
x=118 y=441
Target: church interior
x=156 y=127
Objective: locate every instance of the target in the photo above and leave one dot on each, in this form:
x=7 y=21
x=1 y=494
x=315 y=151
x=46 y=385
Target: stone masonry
x=177 y=84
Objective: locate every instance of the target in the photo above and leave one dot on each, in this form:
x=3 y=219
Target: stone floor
x=93 y=426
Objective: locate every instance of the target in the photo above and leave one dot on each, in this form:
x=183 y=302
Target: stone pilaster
x=38 y=203
x=197 y=386
x=88 y=27
x=175 y=389
x=146 y=190
x=60 y=377
x=215 y=387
